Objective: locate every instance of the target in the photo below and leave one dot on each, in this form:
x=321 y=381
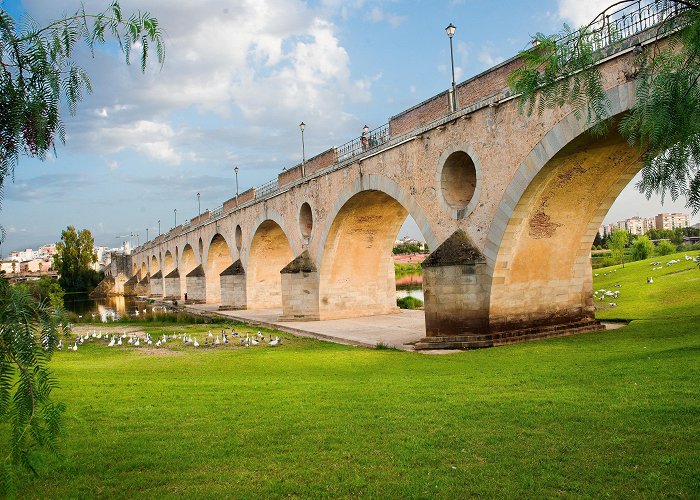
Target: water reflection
x=410 y=285
x=110 y=308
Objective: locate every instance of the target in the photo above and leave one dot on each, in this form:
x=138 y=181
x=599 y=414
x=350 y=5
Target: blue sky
x=238 y=78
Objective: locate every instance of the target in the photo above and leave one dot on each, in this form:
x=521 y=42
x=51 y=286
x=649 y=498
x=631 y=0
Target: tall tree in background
x=74 y=259
x=617 y=243
x=37 y=73
x=664 y=123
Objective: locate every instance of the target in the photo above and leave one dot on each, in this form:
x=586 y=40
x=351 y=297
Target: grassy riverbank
x=615 y=413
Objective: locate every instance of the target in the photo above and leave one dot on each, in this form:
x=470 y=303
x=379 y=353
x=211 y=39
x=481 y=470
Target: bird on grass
x=111 y=343
x=196 y=344
x=275 y=342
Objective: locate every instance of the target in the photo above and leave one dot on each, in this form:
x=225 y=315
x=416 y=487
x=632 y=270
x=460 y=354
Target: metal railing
x=216 y=212
x=366 y=142
x=266 y=189
x=630 y=20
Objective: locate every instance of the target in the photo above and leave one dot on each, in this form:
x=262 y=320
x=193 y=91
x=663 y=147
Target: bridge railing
x=608 y=29
x=216 y=212
x=266 y=189
x=366 y=142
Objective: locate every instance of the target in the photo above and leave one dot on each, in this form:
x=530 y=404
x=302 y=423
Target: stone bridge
x=509 y=204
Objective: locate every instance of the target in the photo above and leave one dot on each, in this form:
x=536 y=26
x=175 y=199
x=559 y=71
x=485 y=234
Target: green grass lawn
x=614 y=414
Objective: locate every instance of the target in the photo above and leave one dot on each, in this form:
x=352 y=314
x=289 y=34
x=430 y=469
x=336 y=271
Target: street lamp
x=158 y=227
x=302 y=125
x=199 y=206
x=175 y=210
x=146 y=235
x=235 y=169
x=450 y=33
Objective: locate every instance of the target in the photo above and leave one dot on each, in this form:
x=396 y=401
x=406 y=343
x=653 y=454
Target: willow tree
x=664 y=123
x=37 y=74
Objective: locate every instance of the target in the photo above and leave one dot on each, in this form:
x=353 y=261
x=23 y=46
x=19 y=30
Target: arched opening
x=168 y=263
x=144 y=270
x=218 y=259
x=201 y=249
x=542 y=274
x=239 y=238
x=357 y=269
x=189 y=262
x=154 y=265
x=458 y=180
x=306 y=221
x=270 y=251
x=134 y=269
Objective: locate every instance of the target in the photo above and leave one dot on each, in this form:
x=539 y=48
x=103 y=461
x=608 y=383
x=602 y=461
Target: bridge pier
x=300 y=286
x=156 y=282
x=196 y=286
x=233 y=287
x=456 y=286
x=171 y=285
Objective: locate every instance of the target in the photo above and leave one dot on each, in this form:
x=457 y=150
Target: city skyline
x=142 y=146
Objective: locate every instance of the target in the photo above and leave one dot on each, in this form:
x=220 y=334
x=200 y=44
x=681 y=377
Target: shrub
x=642 y=248
x=665 y=247
x=409 y=303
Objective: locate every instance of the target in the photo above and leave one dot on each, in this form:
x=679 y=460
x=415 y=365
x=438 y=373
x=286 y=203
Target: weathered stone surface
x=458 y=249
x=515 y=257
x=302 y=264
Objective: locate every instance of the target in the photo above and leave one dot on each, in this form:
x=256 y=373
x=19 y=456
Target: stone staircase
x=494 y=339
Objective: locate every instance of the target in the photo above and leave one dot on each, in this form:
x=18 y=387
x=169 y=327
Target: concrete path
x=398 y=330
x=394 y=330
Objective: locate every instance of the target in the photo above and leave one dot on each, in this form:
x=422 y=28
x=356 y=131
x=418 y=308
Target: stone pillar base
x=300 y=285
x=500 y=338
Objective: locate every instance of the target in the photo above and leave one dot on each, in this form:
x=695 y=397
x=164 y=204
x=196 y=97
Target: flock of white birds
x=132 y=340
x=603 y=294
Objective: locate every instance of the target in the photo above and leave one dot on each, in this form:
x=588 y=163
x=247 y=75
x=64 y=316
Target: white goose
x=217 y=340
x=111 y=343
x=275 y=342
x=137 y=342
x=196 y=344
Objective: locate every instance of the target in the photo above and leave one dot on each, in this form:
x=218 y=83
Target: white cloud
x=581 y=12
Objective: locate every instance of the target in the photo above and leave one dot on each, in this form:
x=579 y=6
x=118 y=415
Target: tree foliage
x=73 y=260
x=617 y=243
x=37 y=71
x=663 y=124
x=642 y=248
x=665 y=247
x=29 y=331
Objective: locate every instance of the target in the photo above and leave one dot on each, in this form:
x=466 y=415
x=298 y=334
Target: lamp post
x=199 y=206
x=451 y=28
x=146 y=235
x=302 y=125
x=235 y=169
x=158 y=227
x=175 y=210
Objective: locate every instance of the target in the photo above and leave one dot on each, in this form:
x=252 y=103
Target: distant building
x=9 y=266
x=639 y=225
x=672 y=221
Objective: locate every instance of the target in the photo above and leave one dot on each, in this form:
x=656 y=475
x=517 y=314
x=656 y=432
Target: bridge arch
x=268 y=252
x=168 y=263
x=188 y=261
x=219 y=257
x=538 y=248
x=144 y=270
x=356 y=266
x=154 y=265
x=376 y=182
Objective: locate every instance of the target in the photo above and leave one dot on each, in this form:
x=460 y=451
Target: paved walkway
x=398 y=330
x=394 y=330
